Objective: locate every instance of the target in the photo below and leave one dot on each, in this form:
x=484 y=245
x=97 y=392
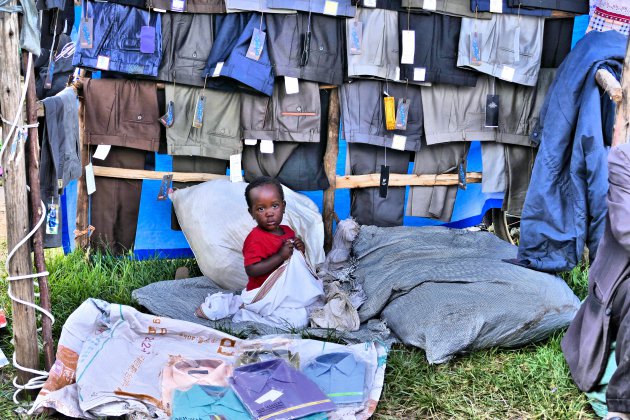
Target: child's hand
x=287 y=249
x=299 y=244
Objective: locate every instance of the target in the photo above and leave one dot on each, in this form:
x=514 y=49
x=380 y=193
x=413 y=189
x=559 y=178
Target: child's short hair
x=260 y=181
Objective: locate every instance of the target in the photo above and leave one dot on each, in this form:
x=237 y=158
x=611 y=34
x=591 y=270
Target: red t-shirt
x=260 y=245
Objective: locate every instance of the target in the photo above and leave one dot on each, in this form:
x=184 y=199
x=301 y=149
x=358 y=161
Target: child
x=269 y=244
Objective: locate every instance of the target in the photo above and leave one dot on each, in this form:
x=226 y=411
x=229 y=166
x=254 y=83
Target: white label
x=90 y=181
x=397 y=76
x=496 y=6
x=102 y=62
x=272 y=395
x=159 y=10
x=369 y=3
x=217 y=69
x=429 y=5
x=330 y=8
x=266 y=146
x=507 y=73
x=177 y=5
x=102 y=151
x=399 y=142
x=408 y=47
x=419 y=74
x=291 y=85
x=236 y=174
x=251 y=142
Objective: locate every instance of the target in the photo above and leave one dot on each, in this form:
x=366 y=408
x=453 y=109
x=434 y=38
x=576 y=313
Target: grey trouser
x=498 y=57
x=236 y=6
x=379 y=44
x=436 y=202
x=282 y=117
x=367 y=207
x=363 y=115
x=186 y=43
x=448 y=7
x=191 y=6
x=519 y=162
x=220 y=135
x=493 y=161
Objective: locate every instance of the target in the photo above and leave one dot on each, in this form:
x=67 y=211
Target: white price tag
x=369 y=3
x=251 y=142
x=507 y=73
x=408 y=47
x=102 y=151
x=496 y=6
x=236 y=173
x=419 y=74
x=102 y=62
x=178 y=5
x=272 y=395
x=429 y=5
x=397 y=76
x=217 y=69
x=330 y=8
x=266 y=146
x=90 y=181
x=399 y=142
x=291 y=85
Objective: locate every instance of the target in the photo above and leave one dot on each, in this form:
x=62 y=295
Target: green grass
x=532 y=382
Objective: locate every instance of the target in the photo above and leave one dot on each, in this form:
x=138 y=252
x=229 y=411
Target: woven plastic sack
x=215 y=221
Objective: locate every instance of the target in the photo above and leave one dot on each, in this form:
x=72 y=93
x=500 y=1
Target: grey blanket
x=448 y=290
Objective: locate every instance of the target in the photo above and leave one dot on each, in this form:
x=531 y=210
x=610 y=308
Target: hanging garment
x=339 y=375
x=317 y=56
x=436 y=202
x=378 y=4
x=62 y=68
x=60 y=157
x=367 y=206
x=55 y=22
x=237 y=6
x=364 y=119
x=373 y=51
x=227 y=66
x=494 y=171
x=579 y=7
x=557 y=38
x=565 y=206
x=604 y=316
x=436 y=39
x=332 y=8
x=274 y=390
x=219 y=136
x=117 y=42
x=286 y=117
x=186 y=43
x=122 y=112
x=519 y=163
x=449 y=7
x=283 y=298
x=503 y=6
x=497 y=40
x=188 y=6
x=610 y=15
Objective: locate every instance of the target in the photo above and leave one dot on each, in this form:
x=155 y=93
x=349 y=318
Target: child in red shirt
x=269 y=244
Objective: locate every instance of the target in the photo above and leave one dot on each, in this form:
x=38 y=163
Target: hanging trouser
x=519 y=162
x=493 y=163
x=367 y=207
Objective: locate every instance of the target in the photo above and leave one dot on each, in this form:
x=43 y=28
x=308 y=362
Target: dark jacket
x=565 y=207
x=588 y=338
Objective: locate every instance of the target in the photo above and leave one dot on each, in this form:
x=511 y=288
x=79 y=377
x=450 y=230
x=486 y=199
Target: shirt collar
x=342 y=362
x=255 y=376
x=198 y=396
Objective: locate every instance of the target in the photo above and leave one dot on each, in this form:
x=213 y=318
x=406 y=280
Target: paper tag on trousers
x=147 y=40
x=251 y=142
x=419 y=74
x=85 y=33
x=430 y=5
x=507 y=73
x=492 y=111
x=168 y=118
x=356 y=34
x=52 y=219
x=236 y=173
x=390 y=112
x=330 y=8
x=369 y=3
x=178 y=5
x=475 y=49
x=291 y=85
x=199 y=109
x=90 y=181
x=102 y=150
x=217 y=69
x=384 y=181
x=408 y=47
x=165 y=187
x=496 y=6
x=49 y=75
x=266 y=146
x=402 y=113
x=256 y=45
x=102 y=62
x=399 y=142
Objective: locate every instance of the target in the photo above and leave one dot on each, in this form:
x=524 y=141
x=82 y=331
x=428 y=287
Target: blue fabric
x=339 y=375
x=117 y=36
x=565 y=207
x=484 y=6
x=202 y=402
x=231 y=41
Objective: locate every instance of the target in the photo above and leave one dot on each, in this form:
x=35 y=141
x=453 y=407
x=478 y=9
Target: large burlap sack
x=215 y=221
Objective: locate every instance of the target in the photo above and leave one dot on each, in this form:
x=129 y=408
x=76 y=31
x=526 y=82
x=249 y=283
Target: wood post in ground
x=82 y=233
x=14 y=165
x=330 y=167
x=622 y=118
x=36 y=213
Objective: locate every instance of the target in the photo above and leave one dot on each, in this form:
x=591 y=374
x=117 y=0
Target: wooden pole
x=622 y=118
x=24 y=326
x=36 y=214
x=82 y=233
x=330 y=167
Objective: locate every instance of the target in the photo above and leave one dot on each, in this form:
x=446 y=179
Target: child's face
x=267 y=207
